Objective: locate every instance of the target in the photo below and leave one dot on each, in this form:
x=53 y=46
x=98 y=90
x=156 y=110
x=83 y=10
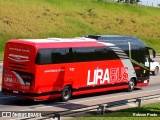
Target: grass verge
x=147 y=111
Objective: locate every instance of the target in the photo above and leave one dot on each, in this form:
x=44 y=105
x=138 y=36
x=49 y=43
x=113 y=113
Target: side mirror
x=153 y=51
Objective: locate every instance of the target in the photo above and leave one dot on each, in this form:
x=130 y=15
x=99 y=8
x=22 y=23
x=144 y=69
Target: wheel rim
x=66 y=93
x=131 y=85
x=156 y=71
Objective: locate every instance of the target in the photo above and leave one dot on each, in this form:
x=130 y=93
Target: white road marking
x=80 y=101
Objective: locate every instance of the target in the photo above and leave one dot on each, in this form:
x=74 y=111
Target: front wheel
x=66 y=93
x=131 y=85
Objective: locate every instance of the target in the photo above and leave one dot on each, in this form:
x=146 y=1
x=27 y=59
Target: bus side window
x=69 y=57
x=62 y=55
x=56 y=56
x=101 y=53
x=44 y=56
x=84 y=54
x=105 y=53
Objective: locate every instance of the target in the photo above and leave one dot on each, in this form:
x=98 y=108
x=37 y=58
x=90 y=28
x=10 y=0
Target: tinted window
x=64 y=55
x=44 y=56
x=105 y=53
x=138 y=53
x=54 y=56
x=101 y=53
x=84 y=54
x=68 y=55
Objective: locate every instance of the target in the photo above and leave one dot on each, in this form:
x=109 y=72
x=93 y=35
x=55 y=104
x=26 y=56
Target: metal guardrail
x=99 y=107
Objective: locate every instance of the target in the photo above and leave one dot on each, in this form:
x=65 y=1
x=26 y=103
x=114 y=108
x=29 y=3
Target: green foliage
x=71 y=18
x=1 y=56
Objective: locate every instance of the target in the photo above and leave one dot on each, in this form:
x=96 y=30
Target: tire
x=66 y=94
x=131 y=85
x=156 y=71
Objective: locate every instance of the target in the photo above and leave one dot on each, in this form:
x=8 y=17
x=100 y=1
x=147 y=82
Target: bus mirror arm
x=153 y=51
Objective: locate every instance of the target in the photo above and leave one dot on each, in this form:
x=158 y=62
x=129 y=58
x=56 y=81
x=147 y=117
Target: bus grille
x=17 y=66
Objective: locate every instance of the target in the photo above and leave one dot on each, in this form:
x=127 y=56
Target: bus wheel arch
x=131 y=84
x=66 y=93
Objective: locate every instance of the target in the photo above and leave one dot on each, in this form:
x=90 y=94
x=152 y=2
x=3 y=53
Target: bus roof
x=88 y=41
x=112 y=37
x=59 y=42
x=116 y=39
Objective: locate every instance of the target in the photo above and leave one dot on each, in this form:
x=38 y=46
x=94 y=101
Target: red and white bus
x=51 y=68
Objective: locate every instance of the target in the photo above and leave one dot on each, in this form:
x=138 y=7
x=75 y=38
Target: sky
x=150 y=2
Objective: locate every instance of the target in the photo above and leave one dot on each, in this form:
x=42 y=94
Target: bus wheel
x=66 y=93
x=131 y=85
